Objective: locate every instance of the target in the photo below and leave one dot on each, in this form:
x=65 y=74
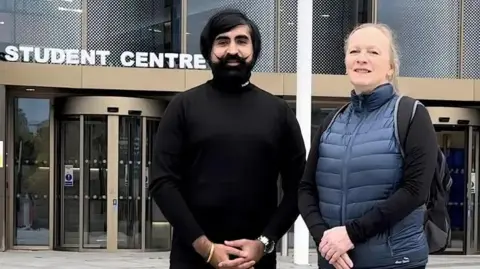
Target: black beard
x=231 y=75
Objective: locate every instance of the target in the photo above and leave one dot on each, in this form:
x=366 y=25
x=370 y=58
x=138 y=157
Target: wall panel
x=167 y=80
x=428 y=35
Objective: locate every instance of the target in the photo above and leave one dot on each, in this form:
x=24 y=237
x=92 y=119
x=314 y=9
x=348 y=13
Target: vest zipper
x=345 y=169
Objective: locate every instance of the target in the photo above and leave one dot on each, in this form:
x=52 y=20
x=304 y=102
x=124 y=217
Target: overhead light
x=154 y=30
x=29 y=90
x=325 y=15
x=70 y=9
x=2 y=22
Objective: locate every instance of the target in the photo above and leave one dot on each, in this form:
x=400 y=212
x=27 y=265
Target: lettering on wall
x=101 y=57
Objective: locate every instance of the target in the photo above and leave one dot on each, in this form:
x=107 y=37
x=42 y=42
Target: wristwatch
x=269 y=244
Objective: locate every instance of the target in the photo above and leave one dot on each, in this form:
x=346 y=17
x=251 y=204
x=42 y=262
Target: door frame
x=112 y=182
x=3 y=178
x=471 y=194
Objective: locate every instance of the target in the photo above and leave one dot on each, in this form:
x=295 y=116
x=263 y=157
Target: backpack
x=437 y=220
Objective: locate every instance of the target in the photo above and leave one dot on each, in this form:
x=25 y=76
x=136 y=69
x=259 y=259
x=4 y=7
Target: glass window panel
x=32 y=171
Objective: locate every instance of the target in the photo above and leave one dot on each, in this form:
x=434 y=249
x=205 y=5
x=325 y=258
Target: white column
x=304 y=110
x=284 y=250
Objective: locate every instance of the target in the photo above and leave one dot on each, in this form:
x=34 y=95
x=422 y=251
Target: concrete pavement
x=159 y=260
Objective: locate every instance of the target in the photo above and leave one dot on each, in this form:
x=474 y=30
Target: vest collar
x=372 y=100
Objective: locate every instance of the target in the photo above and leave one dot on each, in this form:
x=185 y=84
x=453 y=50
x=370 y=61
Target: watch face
x=270 y=247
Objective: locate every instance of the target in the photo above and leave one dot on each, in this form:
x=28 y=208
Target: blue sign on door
x=68 y=182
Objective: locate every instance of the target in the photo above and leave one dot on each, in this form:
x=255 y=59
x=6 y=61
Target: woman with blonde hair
x=362 y=200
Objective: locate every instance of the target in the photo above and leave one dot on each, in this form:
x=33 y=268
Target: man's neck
x=229 y=86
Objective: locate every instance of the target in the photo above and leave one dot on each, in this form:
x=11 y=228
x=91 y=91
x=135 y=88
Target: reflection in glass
x=130 y=25
x=438 y=21
x=32 y=171
x=158 y=230
x=130 y=183
x=42 y=24
x=95 y=182
x=69 y=182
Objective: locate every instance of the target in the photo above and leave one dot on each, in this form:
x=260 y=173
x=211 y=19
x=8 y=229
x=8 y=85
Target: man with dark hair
x=218 y=154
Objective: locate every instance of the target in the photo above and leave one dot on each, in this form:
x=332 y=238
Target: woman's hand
x=335 y=242
x=344 y=262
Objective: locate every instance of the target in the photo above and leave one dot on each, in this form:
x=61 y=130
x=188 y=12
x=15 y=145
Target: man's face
x=233 y=49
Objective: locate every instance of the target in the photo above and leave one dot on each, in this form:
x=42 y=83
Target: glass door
x=69 y=191
x=81 y=182
x=158 y=231
x=95 y=181
x=130 y=183
x=453 y=141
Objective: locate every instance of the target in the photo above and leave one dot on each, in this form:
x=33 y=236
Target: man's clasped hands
x=237 y=254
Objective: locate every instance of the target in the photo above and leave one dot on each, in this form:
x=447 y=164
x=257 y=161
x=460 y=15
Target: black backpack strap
x=405 y=109
x=327 y=122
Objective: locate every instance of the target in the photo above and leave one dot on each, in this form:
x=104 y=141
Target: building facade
x=84 y=84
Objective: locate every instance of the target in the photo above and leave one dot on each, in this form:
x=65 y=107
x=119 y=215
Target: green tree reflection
x=32 y=153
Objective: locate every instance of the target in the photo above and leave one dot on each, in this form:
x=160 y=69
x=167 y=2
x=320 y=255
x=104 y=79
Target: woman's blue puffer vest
x=360 y=165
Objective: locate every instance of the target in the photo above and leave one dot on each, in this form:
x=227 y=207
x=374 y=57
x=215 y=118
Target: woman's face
x=368 y=59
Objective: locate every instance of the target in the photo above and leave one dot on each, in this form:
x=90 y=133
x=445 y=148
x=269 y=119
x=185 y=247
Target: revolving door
x=104 y=152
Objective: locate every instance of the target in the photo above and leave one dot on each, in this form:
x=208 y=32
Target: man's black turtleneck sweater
x=217 y=158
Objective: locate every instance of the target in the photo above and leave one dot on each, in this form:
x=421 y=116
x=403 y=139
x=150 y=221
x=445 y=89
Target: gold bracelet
x=212 y=248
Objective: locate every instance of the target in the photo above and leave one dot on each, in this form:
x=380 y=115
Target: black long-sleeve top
x=419 y=162
x=217 y=158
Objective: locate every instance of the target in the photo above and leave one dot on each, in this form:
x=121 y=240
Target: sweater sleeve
x=166 y=172
x=308 y=195
x=293 y=158
x=419 y=167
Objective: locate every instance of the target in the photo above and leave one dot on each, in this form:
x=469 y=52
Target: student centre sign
x=101 y=57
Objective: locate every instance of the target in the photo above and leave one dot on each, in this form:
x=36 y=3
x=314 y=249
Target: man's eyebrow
x=221 y=37
x=241 y=36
